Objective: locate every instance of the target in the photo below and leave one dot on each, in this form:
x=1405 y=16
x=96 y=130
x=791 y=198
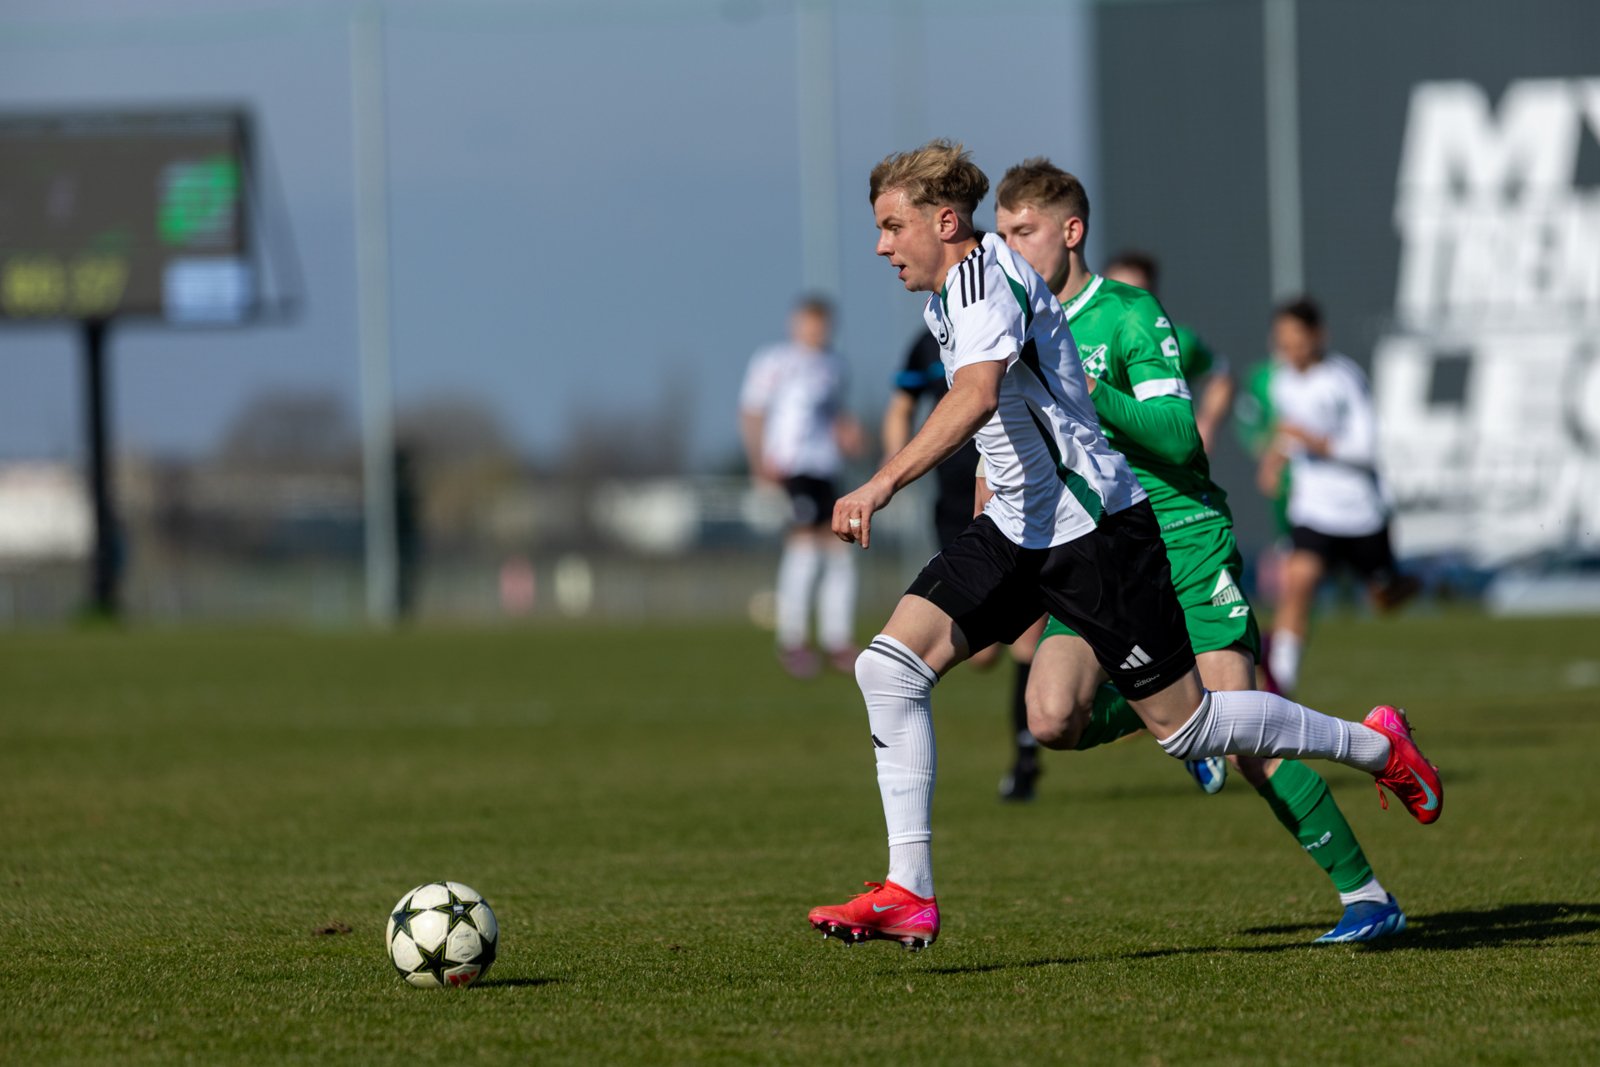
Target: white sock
x=1283 y=659
x=836 y=599
x=1250 y=723
x=911 y=867
x=1371 y=891
x=797 y=572
x=898 y=688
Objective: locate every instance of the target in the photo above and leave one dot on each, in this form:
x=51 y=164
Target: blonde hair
x=1039 y=182
x=940 y=172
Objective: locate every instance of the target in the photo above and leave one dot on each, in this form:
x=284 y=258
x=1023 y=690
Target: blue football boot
x=1366 y=921
x=1210 y=773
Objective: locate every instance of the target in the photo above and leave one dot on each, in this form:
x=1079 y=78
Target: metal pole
x=103 y=600
x=819 y=147
x=1280 y=59
x=372 y=309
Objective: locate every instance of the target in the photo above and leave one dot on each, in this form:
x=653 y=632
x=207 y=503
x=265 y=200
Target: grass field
x=652 y=812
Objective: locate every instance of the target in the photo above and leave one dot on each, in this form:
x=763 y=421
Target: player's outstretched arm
x=1162 y=425
x=973 y=398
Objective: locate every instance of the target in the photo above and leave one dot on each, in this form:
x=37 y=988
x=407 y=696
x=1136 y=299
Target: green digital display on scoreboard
x=106 y=215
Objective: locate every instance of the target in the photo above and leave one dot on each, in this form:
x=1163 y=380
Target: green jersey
x=1128 y=345
x=1195 y=359
x=1253 y=419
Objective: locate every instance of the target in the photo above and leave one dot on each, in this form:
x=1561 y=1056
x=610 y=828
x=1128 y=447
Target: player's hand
x=852 y=513
x=1269 y=473
x=1304 y=439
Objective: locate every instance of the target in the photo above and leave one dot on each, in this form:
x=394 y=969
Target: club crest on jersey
x=1094 y=360
x=941 y=328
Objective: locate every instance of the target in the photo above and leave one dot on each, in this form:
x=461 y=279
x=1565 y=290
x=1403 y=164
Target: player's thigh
x=1113 y=587
x=1062 y=684
x=986 y=657
x=1165 y=712
x=1311 y=555
x=1226 y=669
x=985 y=588
x=928 y=631
x=1022 y=648
x=1302 y=572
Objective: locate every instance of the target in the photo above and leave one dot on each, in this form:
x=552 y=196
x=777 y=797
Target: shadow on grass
x=1508 y=924
x=1114 y=957
x=514 y=983
x=1444 y=931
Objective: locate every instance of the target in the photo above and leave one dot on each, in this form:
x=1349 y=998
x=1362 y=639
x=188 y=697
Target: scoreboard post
x=109 y=216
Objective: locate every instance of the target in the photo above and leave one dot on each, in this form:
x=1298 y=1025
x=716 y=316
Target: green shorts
x=1205 y=572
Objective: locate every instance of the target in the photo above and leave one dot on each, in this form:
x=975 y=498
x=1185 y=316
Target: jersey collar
x=1078 y=302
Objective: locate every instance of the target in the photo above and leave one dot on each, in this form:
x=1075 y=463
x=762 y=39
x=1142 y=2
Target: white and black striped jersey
x=1052 y=472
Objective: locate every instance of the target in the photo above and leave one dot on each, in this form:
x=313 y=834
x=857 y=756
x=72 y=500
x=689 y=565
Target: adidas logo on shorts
x=1136 y=659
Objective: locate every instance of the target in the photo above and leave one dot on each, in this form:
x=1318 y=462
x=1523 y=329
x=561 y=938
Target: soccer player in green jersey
x=1207 y=375
x=1133 y=361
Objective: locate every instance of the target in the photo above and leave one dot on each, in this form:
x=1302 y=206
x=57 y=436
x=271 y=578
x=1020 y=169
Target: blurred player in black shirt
x=923 y=377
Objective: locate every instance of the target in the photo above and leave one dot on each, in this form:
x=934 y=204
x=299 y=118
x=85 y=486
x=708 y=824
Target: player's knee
x=885 y=665
x=1055 y=720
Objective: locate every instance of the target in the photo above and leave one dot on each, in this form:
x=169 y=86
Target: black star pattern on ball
x=402 y=918
x=434 y=963
x=459 y=911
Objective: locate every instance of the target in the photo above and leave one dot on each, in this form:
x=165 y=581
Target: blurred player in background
x=1209 y=378
x=1137 y=381
x=1325 y=432
x=796 y=435
x=922 y=376
x=1069 y=530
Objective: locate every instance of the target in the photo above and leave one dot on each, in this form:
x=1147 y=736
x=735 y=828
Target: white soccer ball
x=442 y=934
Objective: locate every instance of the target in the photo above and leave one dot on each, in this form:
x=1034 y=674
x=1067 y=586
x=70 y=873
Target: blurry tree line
x=285 y=479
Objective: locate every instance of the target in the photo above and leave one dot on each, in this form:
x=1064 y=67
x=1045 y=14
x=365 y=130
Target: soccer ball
x=442 y=934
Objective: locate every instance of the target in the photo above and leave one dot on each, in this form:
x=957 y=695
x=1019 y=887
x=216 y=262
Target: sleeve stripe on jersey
x=1161 y=387
x=970 y=272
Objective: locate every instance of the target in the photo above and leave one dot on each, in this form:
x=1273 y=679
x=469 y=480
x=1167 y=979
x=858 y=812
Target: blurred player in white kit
x=797 y=434
x=1325 y=430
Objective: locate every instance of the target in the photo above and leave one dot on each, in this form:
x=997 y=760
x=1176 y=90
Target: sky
x=592 y=206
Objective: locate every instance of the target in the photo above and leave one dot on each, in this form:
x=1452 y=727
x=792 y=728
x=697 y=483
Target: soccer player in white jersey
x=796 y=432
x=1326 y=431
x=1069 y=531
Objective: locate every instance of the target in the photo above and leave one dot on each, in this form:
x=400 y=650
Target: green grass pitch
x=651 y=813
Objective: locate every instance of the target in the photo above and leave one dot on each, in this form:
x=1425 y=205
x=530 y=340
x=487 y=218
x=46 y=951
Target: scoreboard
x=125 y=214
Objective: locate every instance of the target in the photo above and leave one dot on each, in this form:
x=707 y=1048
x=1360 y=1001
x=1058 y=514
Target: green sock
x=1303 y=803
x=1112 y=718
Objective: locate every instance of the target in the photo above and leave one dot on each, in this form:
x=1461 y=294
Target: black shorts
x=951 y=517
x=1113 y=586
x=1371 y=556
x=810 y=500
